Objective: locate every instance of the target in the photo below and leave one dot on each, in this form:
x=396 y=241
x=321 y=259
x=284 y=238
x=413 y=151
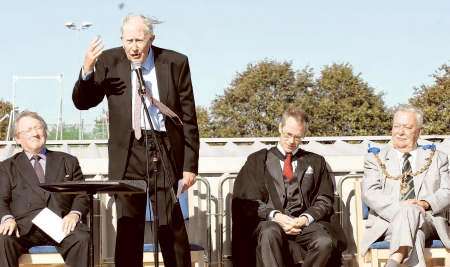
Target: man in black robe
x=282 y=204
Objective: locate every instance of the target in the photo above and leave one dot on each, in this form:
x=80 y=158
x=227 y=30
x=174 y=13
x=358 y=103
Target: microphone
x=137 y=67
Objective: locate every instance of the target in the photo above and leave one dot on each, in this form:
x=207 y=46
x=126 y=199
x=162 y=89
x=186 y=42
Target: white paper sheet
x=50 y=223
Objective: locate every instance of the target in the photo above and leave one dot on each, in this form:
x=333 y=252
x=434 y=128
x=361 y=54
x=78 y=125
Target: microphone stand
x=156 y=159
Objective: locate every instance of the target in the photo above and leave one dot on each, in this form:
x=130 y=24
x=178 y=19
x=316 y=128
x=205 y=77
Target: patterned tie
x=38 y=168
x=287 y=168
x=410 y=194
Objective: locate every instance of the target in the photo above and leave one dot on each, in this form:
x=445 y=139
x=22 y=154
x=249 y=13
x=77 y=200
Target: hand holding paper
x=51 y=224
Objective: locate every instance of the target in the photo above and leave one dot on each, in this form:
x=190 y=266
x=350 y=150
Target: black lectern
x=93 y=187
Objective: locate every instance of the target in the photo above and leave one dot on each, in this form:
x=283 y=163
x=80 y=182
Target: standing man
x=167 y=78
x=21 y=198
x=407 y=188
x=282 y=203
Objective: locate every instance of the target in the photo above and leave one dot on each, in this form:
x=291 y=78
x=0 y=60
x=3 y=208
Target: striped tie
x=410 y=194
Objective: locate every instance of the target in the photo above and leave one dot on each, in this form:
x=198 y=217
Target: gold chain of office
x=404 y=186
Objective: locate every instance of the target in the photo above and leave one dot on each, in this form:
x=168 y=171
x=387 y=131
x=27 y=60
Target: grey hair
x=412 y=109
x=298 y=114
x=31 y=114
x=148 y=22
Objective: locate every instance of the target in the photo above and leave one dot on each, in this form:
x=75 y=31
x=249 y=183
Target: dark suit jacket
x=112 y=78
x=21 y=196
x=253 y=201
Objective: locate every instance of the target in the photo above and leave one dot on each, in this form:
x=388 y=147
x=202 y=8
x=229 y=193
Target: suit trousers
x=273 y=248
x=74 y=248
x=411 y=228
x=172 y=235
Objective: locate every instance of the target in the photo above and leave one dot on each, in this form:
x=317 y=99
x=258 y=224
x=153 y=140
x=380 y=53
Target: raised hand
x=94 y=50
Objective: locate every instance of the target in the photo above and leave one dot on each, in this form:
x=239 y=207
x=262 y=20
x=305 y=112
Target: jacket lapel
x=52 y=167
x=274 y=169
x=421 y=158
x=29 y=175
x=302 y=164
x=124 y=70
x=162 y=75
x=392 y=162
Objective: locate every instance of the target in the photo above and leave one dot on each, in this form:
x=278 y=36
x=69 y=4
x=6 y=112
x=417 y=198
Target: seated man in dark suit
x=282 y=203
x=21 y=198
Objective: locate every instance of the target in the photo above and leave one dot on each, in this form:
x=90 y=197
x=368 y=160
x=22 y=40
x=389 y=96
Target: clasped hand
x=422 y=204
x=290 y=225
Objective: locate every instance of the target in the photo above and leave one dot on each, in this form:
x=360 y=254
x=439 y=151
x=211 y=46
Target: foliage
x=434 y=100
x=343 y=104
x=338 y=102
x=254 y=100
x=5 y=109
x=203 y=122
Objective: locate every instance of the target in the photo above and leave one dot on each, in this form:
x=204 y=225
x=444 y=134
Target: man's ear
x=280 y=128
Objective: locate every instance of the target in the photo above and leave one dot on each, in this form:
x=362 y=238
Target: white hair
x=412 y=109
x=148 y=22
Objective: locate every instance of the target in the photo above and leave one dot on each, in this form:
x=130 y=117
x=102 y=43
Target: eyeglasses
x=29 y=130
x=297 y=138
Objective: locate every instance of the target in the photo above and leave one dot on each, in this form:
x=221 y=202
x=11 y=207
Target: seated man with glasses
x=282 y=204
x=21 y=198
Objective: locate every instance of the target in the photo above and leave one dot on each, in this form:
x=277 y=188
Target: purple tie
x=38 y=169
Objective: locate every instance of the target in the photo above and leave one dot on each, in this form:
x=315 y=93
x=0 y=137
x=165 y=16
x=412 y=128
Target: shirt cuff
x=309 y=217
x=272 y=214
x=85 y=76
x=5 y=218
x=77 y=213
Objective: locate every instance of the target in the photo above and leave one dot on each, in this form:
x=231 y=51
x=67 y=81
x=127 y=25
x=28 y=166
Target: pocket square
x=309 y=170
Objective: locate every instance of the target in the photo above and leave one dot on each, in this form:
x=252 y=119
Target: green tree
x=434 y=100
x=5 y=111
x=344 y=104
x=338 y=102
x=254 y=100
x=203 y=122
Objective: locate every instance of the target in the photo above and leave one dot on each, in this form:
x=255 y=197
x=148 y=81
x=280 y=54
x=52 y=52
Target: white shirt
x=151 y=83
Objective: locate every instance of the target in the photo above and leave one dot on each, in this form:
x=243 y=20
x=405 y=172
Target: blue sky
x=395 y=45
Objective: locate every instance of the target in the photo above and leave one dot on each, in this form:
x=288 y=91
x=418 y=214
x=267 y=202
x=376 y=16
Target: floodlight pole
x=78 y=28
